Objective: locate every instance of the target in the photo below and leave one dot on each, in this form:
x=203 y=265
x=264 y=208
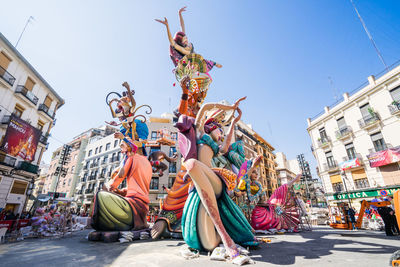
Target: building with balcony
x=356 y=141
x=255 y=145
x=103 y=155
x=23 y=91
x=65 y=182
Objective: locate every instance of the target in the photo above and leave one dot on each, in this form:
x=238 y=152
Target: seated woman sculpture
x=122 y=210
x=209 y=214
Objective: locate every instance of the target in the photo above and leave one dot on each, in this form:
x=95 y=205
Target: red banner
x=21 y=139
x=384 y=157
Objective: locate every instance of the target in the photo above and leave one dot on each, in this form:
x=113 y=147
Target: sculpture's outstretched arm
x=181 y=19
x=228 y=139
x=295 y=179
x=165 y=22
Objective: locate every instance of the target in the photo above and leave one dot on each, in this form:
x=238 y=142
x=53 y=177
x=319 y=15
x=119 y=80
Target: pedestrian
x=352 y=218
x=386 y=215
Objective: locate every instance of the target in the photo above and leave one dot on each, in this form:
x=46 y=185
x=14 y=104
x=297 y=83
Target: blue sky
x=277 y=53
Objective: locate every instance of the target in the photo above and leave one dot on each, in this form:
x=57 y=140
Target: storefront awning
x=384 y=157
x=336 y=179
x=359 y=174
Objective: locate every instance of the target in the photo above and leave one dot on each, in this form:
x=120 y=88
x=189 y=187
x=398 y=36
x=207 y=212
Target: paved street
x=321 y=247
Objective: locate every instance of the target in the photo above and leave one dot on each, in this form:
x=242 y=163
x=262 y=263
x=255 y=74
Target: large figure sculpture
x=126 y=209
x=209 y=207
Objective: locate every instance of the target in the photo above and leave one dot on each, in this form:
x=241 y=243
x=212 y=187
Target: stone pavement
x=321 y=247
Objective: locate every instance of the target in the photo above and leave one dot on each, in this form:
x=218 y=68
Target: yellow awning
x=359 y=174
x=336 y=179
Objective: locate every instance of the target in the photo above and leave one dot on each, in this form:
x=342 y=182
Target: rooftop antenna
x=335 y=96
x=26 y=24
x=369 y=36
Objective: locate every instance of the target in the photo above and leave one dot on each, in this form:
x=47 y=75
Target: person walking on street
x=352 y=218
x=386 y=215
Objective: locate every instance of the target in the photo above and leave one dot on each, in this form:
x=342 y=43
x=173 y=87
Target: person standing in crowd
x=386 y=214
x=352 y=218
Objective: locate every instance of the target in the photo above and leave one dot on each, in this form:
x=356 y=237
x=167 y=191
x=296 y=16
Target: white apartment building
x=283 y=170
x=103 y=155
x=27 y=106
x=360 y=135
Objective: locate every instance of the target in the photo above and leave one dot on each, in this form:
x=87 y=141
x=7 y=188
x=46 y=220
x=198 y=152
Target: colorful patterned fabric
x=280 y=212
x=227 y=176
x=207 y=139
x=236 y=154
x=232 y=218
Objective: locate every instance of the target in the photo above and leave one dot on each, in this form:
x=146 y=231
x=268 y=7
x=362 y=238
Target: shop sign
x=362 y=194
x=384 y=157
x=353 y=163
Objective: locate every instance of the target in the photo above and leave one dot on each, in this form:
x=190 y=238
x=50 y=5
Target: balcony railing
x=6 y=119
x=7 y=160
x=43 y=139
x=45 y=109
x=394 y=108
x=322 y=142
x=369 y=120
x=92 y=177
x=381 y=148
x=89 y=191
x=330 y=166
x=344 y=132
x=114 y=159
x=6 y=76
x=85 y=167
x=28 y=167
x=27 y=94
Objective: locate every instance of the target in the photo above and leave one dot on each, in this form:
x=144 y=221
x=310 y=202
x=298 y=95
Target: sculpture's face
x=124 y=148
x=254 y=175
x=185 y=41
x=217 y=135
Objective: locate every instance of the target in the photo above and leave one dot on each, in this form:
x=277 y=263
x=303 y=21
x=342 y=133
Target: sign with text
x=385 y=157
x=367 y=193
x=21 y=139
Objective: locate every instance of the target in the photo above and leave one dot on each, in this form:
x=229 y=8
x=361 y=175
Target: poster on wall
x=385 y=157
x=21 y=139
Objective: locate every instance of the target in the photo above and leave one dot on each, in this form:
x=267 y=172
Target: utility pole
x=60 y=170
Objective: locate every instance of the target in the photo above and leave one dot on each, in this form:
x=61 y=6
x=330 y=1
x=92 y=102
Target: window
x=172 y=167
x=174 y=136
x=322 y=134
x=47 y=101
x=18 y=110
x=116 y=143
x=171 y=181
x=40 y=125
x=154 y=183
x=72 y=169
x=108 y=145
x=90 y=153
x=29 y=84
x=342 y=125
x=379 y=143
x=105 y=159
x=100 y=148
x=119 y=155
x=153 y=135
x=337 y=187
x=351 y=152
x=4 y=62
x=329 y=159
x=172 y=151
x=19 y=187
x=95 y=152
x=361 y=183
x=396 y=94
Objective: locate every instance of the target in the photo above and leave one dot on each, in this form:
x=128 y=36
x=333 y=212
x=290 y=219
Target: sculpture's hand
x=236 y=105
x=119 y=135
x=185 y=84
x=126 y=85
x=165 y=21
x=182 y=10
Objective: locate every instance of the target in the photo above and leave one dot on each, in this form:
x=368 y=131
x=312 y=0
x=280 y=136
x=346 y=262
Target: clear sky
x=277 y=53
